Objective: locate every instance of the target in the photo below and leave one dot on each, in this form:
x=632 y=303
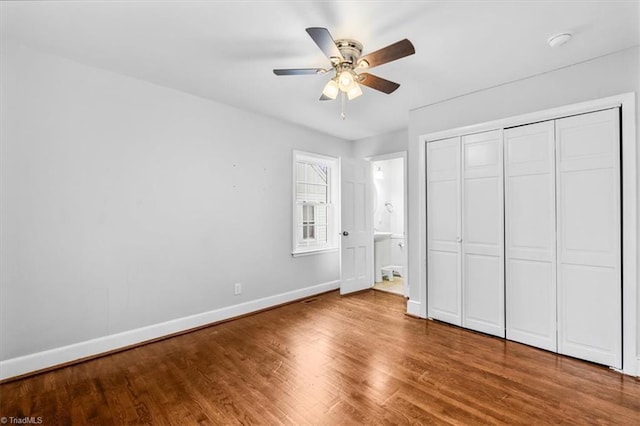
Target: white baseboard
x=50 y=358
x=637 y=372
x=413 y=308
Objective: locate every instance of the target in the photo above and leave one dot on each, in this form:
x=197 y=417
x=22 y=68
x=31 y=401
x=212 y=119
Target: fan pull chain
x=344 y=103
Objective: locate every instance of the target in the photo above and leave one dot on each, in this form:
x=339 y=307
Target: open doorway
x=388 y=175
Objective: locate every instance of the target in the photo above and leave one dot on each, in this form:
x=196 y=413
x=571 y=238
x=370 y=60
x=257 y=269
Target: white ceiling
x=226 y=50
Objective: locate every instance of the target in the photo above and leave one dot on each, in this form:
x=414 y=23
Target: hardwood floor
x=328 y=360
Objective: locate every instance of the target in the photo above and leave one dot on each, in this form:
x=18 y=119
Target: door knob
x=459 y=239
x=345 y=233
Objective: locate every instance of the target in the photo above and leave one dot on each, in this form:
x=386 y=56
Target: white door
x=482 y=233
x=443 y=231
x=357 y=229
x=530 y=235
x=589 y=265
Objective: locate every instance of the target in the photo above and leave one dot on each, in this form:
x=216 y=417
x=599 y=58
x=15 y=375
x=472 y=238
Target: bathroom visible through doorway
x=389 y=221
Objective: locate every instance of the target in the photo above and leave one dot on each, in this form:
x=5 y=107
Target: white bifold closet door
x=444 y=291
x=465 y=241
x=562 y=220
x=482 y=233
x=588 y=237
x=530 y=234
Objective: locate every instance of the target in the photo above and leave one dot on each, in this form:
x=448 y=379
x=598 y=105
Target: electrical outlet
x=237 y=288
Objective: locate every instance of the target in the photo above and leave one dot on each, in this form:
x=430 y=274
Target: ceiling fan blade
x=300 y=71
x=323 y=39
x=390 y=53
x=324 y=97
x=377 y=83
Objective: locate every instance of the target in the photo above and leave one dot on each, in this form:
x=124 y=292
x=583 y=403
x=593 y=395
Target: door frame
x=629 y=164
x=405 y=195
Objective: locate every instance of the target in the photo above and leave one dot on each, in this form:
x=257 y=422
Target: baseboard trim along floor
x=19 y=367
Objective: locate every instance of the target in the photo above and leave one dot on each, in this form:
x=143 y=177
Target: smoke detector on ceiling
x=559 y=39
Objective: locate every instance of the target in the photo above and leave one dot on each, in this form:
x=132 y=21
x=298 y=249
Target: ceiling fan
x=346 y=61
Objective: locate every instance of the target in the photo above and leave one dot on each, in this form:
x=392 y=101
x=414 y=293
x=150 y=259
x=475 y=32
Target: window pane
x=317 y=174
x=301 y=192
x=322 y=194
x=312 y=176
x=312 y=183
x=316 y=194
x=321 y=234
x=322 y=215
x=308 y=214
x=309 y=174
x=308 y=232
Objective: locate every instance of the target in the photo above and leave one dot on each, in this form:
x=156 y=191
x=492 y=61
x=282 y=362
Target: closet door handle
x=458 y=239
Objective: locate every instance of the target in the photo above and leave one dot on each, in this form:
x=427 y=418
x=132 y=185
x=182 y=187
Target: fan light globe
x=331 y=89
x=345 y=80
x=354 y=92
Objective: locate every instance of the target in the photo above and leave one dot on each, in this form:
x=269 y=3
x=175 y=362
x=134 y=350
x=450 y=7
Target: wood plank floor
x=330 y=360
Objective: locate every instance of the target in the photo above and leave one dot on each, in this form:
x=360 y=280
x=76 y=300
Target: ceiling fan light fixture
x=331 y=89
x=354 y=91
x=346 y=62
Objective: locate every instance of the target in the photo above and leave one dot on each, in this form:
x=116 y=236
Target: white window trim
x=334 y=212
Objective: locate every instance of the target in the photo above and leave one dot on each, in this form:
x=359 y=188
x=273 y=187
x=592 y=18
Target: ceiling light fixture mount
x=345 y=57
x=559 y=39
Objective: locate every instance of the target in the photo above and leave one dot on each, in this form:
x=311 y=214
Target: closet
x=524 y=234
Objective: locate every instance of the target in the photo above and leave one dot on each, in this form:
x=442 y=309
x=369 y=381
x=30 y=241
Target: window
x=314 y=196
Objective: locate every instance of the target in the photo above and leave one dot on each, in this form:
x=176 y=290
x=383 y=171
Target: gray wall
x=125 y=204
x=387 y=143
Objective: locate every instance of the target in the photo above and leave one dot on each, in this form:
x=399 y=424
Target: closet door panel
x=443 y=231
x=481 y=204
x=484 y=306
x=482 y=239
x=587 y=330
x=445 y=225
x=531 y=317
x=444 y=289
x=530 y=238
x=531 y=209
x=588 y=200
x=588 y=244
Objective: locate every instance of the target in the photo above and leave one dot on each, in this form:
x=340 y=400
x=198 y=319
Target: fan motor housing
x=350 y=49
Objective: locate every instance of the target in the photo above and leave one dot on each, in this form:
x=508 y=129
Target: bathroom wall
x=389 y=210
x=389 y=196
